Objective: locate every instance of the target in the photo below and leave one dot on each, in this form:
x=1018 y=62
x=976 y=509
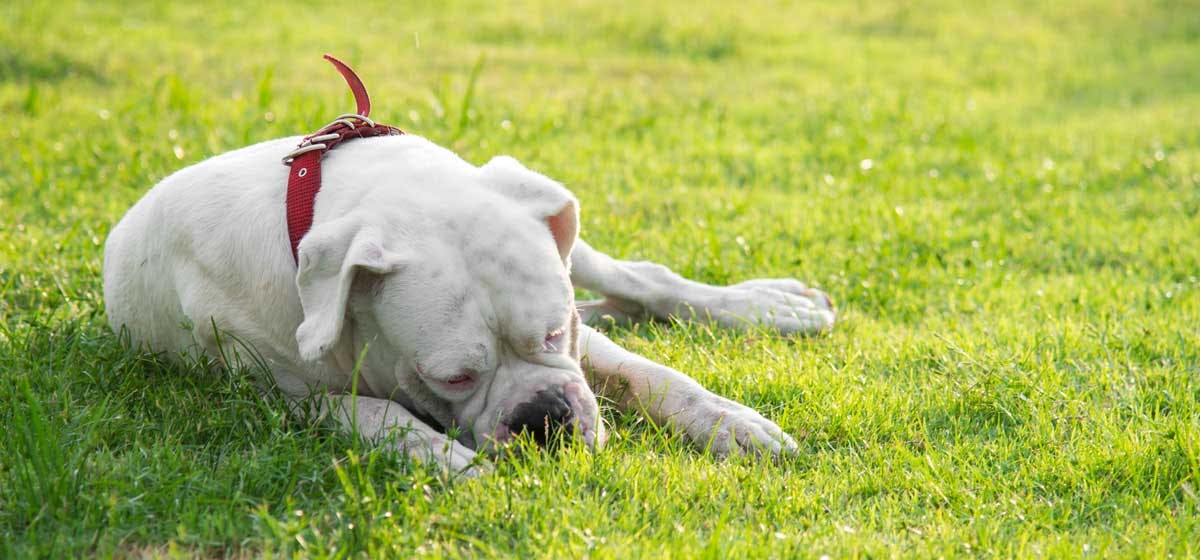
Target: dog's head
x=465 y=296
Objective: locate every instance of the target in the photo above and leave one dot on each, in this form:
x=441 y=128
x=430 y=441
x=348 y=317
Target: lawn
x=1002 y=198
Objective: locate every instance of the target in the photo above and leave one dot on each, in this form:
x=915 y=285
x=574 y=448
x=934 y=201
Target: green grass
x=1016 y=367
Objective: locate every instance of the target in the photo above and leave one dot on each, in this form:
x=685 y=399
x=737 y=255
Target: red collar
x=304 y=180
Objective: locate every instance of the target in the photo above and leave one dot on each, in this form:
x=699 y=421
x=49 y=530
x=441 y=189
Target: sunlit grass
x=1002 y=198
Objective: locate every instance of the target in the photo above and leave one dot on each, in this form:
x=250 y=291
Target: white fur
x=439 y=269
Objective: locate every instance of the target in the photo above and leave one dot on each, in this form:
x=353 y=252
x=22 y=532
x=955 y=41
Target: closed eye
x=465 y=379
x=459 y=380
x=553 y=343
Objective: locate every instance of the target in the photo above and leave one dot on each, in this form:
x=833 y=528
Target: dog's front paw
x=788 y=305
x=461 y=461
x=724 y=427
x=452 y=458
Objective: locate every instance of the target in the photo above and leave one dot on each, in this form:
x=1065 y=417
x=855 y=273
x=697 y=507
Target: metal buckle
x=318 y=142
x=369 y=122
x=348 y=120
x=303 y=149
x=322 y=138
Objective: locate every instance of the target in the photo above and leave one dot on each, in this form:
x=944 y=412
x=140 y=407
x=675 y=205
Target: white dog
x=453 y=283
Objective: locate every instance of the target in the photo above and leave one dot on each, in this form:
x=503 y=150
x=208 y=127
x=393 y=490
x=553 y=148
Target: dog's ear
x=544 y=197
x=330 y=256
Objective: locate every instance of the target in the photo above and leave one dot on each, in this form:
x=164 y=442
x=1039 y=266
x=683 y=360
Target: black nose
x=543 y=418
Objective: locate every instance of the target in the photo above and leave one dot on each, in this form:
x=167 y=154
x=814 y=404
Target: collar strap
x=304 y=179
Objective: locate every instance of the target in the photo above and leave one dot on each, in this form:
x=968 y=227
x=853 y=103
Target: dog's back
x=179 y=232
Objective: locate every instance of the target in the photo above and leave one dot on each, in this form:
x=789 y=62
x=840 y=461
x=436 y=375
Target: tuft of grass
x=1001 y=198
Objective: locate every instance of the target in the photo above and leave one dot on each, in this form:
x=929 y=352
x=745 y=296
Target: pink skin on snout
x=592 y=432
x=578 y=396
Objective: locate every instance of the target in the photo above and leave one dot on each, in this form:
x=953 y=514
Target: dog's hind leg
x=635 y=289
x=668 y=397
x=384 y=421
